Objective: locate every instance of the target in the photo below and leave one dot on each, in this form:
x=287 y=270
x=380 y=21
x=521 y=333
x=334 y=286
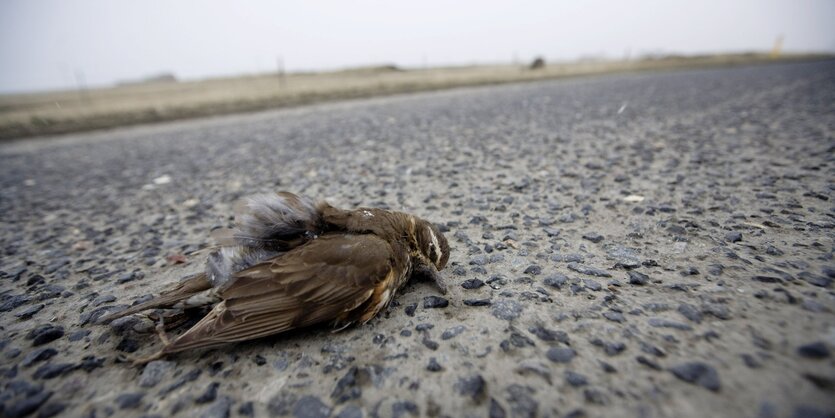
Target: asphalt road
x=653 y=245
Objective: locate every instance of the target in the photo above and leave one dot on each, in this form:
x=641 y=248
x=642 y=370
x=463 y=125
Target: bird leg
x=160 y=328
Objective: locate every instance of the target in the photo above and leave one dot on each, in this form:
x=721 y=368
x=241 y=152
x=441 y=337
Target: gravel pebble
x=698 y=373
x=43 y=334
x=129 y=400
x=815 y=350
x=311 y=407
x=433 y=302
x=561 y=354
x=666 y=323
x=453 y=332
x=507 y=309
x=37 y=355
x=590 y=271
x=472 y=284
x=637 y=278
x=153 y=373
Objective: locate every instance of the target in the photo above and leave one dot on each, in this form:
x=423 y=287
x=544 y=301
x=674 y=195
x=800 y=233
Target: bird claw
x=160 y=328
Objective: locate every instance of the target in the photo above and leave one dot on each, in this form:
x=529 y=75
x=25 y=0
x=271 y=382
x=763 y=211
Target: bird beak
x=428 y=270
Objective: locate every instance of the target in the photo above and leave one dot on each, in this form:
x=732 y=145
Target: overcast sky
x=45 y=44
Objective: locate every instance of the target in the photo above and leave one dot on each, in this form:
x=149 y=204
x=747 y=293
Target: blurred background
x=78 y=65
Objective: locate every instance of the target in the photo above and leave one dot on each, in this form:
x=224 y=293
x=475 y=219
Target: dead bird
x=291 y=263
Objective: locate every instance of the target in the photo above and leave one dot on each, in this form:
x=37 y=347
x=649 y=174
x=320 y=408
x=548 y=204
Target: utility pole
x=81 y=83
x=282 y=78
x=778 y=47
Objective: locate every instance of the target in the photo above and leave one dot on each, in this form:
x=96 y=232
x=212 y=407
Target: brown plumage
x=290 y=263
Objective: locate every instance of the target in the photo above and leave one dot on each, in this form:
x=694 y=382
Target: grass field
x=26 y=115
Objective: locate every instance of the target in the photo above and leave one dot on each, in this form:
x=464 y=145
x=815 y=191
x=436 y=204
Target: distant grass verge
x=28 y=115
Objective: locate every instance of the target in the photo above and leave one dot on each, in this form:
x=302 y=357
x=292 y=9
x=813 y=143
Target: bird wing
x=322 y=280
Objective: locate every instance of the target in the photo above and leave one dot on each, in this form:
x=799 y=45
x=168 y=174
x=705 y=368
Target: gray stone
x=507 y=309
x=698 y=373
x=561 y=354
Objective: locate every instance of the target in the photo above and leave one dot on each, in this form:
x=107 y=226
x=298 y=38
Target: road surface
x=649 y=245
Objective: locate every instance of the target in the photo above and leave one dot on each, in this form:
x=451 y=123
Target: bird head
x=431 y=244
x=432 y=252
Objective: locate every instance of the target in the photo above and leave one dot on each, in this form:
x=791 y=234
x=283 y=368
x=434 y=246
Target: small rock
x=477 y=302
x=129 y=400
x=424 y=327
x=43 y=334
x=561 y=354
x=690 y=312
x=767 y=279
x=651 y=349
x=101 y=300
x=610 y=348
x=637 y=278
x=473 y=386
x=608 y=368
x=719 y=311
x=507 y=309
x=496 y=410
x=814 y=279
x=522 y=403
x=51 y=409
x=590 y=271
x=647 y=362
x=614 y=316
x=594 y=396
x=49 y=371
x=733 y=236
x=472 y=284
x=698 y=373
x=666 y=323
x=208 y=395
x=546 y=334
x=13 y=302
x=556 y=281
x=217 y=409
x=128 y=345
x=575 y=379
x=410 y=309
x=247 y=409
x=432 y=345
x=280 y=404
x=816 y=350
x=690 y=271
x=751 y=361
x=433 y=365
x=593 y=237
x=154 y=372
x=453 y=332
x=311 y=407
x=29 y=312
x=533 y=270
x=347 y=387
x=536 y=367
x=77 y=335
x=624 y=257
x=433 y=302
x=27 y=406
x=90 y=363
x=403 y=408
x=592 y=285
x=806 y=411
x=182 y=380
x=350 y=411
x=38 y=355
